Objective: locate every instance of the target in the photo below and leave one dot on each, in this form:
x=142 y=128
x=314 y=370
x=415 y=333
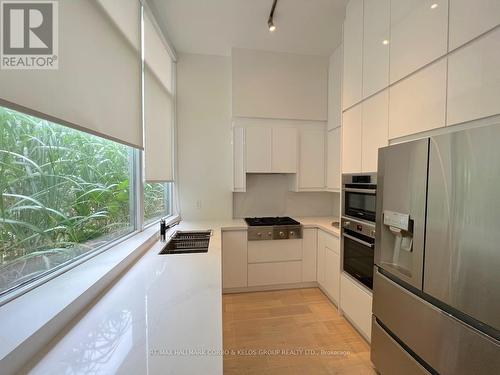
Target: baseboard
x=264 y=288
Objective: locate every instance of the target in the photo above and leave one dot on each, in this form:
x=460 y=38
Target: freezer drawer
x=443 y=342
x=389 y=357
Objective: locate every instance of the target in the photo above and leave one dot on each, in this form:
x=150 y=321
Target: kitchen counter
x=163 y=316
x=323 y=223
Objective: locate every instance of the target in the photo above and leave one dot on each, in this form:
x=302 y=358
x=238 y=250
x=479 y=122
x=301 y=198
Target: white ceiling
x=311 y=27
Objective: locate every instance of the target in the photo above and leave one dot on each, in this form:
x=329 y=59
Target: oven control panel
x=363 y=228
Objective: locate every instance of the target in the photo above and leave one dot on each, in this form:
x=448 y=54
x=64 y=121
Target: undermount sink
x=188 y=242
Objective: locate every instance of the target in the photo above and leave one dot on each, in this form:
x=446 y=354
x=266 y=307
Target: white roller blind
x=97 y=87
x=158 y=107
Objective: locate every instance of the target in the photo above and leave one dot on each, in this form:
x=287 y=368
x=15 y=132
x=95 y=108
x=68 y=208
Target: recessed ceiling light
x=434 y=6
x=385 y=42
x=270 y=22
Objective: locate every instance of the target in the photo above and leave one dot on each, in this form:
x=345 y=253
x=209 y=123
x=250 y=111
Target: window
x=157 y=201
x=64 y=193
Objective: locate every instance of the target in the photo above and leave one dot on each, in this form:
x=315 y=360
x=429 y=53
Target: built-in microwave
x=359 y=196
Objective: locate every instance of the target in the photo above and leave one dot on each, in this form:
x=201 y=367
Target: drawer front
x=274 y=273
x=274 y=251
x=389 y=357
x=442 y=341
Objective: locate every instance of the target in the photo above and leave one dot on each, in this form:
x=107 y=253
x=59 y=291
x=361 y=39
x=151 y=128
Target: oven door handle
x=370 y=245
x=363 y=191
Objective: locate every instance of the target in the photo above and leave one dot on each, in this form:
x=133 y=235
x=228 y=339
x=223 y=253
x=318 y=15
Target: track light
x=270 y=22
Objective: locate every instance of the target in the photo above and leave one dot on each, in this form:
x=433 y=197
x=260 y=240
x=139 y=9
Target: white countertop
x=163 y=304
x=162 y=308
x=324 y=223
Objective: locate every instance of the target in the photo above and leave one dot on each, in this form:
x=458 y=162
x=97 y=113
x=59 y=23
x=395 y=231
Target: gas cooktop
x=273 y=228
x=270 y=221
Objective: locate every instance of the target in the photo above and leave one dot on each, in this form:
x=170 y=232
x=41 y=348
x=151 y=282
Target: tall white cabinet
x=419 y=35
x=351 y=139
x=469 y=19
x=312 y=159
x=353 y=54
x=376 y=45
x=333 y=159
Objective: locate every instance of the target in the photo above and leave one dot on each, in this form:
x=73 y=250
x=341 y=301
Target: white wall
x=279 y=85
x=204 y=136
x=268 y=195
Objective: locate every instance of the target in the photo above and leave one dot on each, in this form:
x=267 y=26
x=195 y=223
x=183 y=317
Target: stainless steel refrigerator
x=436 y=295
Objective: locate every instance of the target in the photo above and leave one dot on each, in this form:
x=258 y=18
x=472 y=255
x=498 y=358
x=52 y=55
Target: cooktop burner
x=269 y=221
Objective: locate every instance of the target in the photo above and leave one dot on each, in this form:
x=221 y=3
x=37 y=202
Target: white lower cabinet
x=356 y=304
x=275 y=273
x=234 y=259
x=274 y=251
x=309 y=254
x=328 y=265
x=332 y=273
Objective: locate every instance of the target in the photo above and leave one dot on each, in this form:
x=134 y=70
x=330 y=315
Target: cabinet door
x=375 y=129
x=333 y=160
x=375 y=46
x=309 y=254
x=335 y=89
x=321 y=258
x=474 y=80
x=258 y=149
x=284 y=150
x=419 y=35
x=418 y=103
x=356 y=303
x=469 y=19
x=332 y=273
x=351 y=140
x=353 y=54
x=239 y=173
x=234 y=259
x=312 y=159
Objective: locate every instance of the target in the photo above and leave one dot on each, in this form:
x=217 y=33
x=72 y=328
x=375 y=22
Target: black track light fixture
x=270 y=22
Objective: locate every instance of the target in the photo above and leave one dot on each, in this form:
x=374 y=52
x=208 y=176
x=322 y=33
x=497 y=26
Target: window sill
x=30 y=321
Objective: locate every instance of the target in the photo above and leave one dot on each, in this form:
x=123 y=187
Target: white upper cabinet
x=239 y=170
x=351 y=140
x=375 y=129
x=376 y=33
x=353 y=54
x=279 y=85
x=284 y=150
x=471 y=18
x=335 y=89
x=312 y=159
x=271 y=150
x=474 y=80
x=258 y=149
x=333 y=159
x=419 y=35
x=418 y=103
